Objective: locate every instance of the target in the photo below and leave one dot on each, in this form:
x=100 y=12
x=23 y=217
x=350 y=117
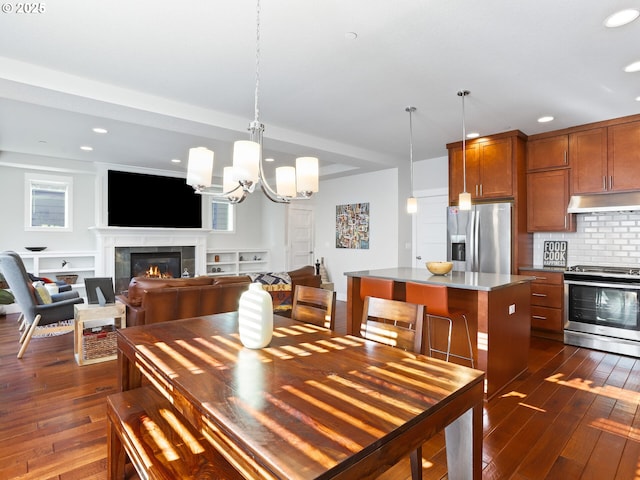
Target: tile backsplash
x=611 y=238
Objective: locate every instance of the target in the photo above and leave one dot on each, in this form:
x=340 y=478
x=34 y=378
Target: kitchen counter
x=463 y=280
x=498 y=309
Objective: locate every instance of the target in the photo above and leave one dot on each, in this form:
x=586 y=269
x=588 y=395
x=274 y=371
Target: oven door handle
x=628 y=286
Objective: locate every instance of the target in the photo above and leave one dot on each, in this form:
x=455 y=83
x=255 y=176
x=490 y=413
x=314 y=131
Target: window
x=222 y=216
x=48 y=202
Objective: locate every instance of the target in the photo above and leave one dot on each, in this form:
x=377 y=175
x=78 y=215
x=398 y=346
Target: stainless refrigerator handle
x=476 y=238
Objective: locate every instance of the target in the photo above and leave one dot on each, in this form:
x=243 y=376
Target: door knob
x=418 y=257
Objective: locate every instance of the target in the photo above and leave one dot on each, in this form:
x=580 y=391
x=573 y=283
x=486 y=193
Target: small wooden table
x=97 y=315
x=313 y=404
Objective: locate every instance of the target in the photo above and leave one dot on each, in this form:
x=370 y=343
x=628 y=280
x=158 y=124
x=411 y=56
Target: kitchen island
x=497 y=308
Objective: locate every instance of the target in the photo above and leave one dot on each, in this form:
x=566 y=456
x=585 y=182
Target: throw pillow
x=42 y=294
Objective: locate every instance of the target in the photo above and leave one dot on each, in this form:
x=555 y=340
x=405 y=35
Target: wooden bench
x=144 y=427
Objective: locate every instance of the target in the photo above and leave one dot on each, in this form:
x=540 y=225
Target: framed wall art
x=352 y=226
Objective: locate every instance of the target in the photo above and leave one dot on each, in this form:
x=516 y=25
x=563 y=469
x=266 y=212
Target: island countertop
x=462 y=280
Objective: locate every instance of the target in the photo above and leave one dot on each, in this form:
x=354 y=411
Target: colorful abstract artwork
x=352 y=226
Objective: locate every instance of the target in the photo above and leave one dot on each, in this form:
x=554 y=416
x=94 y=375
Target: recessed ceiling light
x=473 y=135
x=176 y=160
x=637 y=99
x=633 y=67
x=621 y=18
x=351 y=35
x=86 y=148
x=545 y=119
x=100 y=130
x=268 y=160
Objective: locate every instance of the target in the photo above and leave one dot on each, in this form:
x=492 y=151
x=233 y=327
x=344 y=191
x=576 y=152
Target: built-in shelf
x=237 y=262
x=49 y=264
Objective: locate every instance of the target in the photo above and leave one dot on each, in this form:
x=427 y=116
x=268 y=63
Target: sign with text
x=555 y=253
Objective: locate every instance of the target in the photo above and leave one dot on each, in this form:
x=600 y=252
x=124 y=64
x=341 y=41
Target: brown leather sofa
x=152 y=300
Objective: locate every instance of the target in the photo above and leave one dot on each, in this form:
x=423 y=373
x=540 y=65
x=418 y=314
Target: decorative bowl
x=439 y=268
x=68 y=279
x=35 y=249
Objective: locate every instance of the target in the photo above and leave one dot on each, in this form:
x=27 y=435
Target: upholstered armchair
x=36 y=309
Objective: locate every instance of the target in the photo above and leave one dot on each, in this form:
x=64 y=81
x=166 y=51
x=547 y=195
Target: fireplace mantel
x=108 y=238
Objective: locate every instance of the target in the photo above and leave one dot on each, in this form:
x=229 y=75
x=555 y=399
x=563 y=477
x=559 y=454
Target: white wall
x=13 y=236
x=380 y=190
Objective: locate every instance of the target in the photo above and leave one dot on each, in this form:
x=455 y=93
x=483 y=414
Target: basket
x=99 y=343
x=68 y=279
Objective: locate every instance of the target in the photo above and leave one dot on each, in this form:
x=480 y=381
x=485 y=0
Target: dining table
x=313 y=404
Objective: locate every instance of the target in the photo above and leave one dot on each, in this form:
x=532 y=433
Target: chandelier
x=299 y=182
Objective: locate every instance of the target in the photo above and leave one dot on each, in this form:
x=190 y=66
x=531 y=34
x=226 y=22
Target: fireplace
x=170 y=261
x=156 y=264
x=115 y=245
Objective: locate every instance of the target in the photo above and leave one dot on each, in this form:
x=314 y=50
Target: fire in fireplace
x=156 y=264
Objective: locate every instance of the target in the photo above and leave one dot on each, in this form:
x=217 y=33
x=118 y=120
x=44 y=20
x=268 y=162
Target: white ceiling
x=165 y=76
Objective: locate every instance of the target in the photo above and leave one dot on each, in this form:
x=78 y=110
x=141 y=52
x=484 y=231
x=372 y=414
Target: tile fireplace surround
x=192 y=242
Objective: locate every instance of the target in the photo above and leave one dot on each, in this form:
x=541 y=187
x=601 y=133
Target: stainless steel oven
x=601 y=308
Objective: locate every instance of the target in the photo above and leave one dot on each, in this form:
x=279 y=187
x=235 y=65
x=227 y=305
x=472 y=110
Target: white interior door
x=430 y=228
x=300 y=236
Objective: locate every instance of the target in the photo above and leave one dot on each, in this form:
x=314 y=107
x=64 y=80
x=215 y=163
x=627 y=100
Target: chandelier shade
x=307 y=175
x=286 y=181
x=200 y=167
x=246 y=161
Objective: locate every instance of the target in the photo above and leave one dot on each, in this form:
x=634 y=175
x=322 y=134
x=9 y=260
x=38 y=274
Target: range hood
x=605 y=202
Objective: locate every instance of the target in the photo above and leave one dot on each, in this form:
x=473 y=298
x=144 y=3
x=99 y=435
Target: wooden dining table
x=311 y=405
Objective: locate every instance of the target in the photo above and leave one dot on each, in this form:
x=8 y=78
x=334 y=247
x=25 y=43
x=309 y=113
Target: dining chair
x=37 y=307
x=314 y=305
x=398 y=324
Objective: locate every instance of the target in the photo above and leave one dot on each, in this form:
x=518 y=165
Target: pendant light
x=464 y=199
x=412 y=202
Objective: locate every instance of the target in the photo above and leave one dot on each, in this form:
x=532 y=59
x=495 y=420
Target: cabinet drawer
x=547 y=295
x=554 y=278
x=544 y=318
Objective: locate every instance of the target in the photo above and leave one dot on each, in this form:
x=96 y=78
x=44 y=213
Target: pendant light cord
x=411 y=110
x=464 y=93
x=256 y=107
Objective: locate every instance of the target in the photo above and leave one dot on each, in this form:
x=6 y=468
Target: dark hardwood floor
x=573 y=414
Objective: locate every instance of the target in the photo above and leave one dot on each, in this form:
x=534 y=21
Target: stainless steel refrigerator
x=479 y=240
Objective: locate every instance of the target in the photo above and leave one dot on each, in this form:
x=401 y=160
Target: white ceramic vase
x=255 y=317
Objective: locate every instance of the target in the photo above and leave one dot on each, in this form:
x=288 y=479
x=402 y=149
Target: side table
x=96 y=342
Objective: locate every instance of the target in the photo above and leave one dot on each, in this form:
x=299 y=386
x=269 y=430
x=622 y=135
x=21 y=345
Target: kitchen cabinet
x=623 y=156
x=605 y=159
x=546 y=153
x=547 y=300
x=492 y=166
x=547 y=200
x=588 y=160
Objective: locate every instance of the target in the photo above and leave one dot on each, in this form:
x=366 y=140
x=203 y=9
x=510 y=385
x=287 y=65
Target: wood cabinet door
x=456 y=172
x=624 y=157
x=496 y=169
x=549 y=152
x=588 y=160
x=547 y=200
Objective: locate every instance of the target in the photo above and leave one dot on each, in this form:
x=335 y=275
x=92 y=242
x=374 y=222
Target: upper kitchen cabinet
x=494 y=165
x=588 y=160
x=547 y=153
x=547 y=200
x=606 y=159
x=624 y=156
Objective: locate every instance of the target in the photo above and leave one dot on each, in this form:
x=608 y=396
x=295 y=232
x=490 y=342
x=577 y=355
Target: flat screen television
x=142 y=200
